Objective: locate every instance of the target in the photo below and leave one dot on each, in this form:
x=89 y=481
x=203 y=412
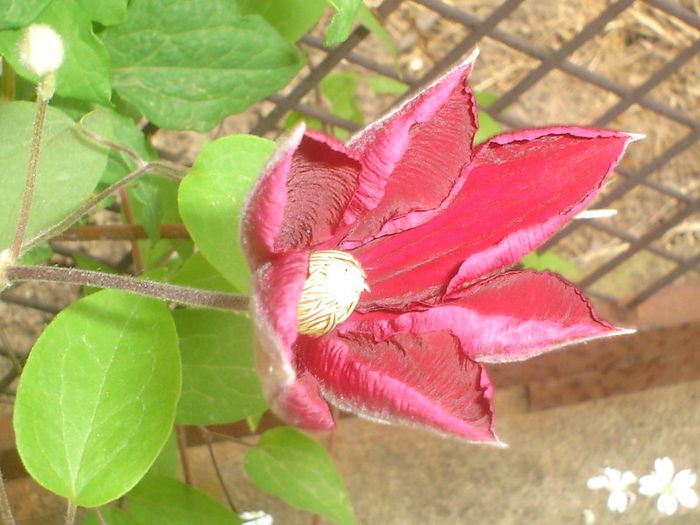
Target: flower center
x=331 y=292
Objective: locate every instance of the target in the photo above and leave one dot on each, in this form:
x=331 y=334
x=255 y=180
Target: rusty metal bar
x=269 y=121
x=673 y=8
x=654 y=80
x=589 y=31
x=634 y=180
x=458 y=51
x=686 y=266
x=641 y=243
x=523 y=46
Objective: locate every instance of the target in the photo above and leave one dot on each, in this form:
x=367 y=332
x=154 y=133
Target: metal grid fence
x=548 y=60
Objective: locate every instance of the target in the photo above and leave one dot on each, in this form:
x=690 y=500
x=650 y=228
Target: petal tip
x=634 y=137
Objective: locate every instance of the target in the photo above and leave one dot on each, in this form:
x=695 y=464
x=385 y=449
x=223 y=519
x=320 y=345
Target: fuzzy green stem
x=70 y=513
x=163 y=291
x=41 y=105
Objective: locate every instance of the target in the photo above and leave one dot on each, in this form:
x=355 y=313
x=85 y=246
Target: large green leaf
x=211 y=199
x=112 y=516
x=97 y=398
x=106 y=12
x=17 y=13
x=168 y=460
x=296 y=468
x=84 y=73
x=165 y=501
x=188 y=64
x=341 y=25
x=291 y=18
x=198 y=273
x=69 y=168
x=219 y=382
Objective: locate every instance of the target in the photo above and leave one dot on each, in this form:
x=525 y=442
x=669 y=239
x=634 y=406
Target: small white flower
x=40 y=49
x=618 y=484
x=671 y=489
x=255 y=517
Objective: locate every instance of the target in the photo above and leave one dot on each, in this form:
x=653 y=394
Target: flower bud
x=5 y=261
x=40 y=50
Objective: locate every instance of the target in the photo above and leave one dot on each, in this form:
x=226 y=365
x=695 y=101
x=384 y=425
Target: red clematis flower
x=379 y=281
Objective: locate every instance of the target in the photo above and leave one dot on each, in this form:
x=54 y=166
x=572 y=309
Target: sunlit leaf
x=97 y=398
x=292 y=18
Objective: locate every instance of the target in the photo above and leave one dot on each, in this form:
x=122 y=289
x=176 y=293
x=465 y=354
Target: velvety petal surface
x=415 y=379
x=277 y=288
x=301 y=196
x=412 y=158
x=520 y=188
x=508 y=317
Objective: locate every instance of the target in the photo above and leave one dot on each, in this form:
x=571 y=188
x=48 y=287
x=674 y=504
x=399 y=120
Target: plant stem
x=207 y=438
x=182 y=448
x=100 y=516
x=164 y=291
x=129 y=216
x=70 y=513
x=9 y=352
x=41 y=105
x=8 y=82
x=5 y=509
x=94 y=202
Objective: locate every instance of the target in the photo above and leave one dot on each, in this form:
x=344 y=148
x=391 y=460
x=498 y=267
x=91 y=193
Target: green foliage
x=551 y=261
x=341 y=25
x=84 y=73
x=488 y=127
x=165 y=501
x=16 y=13
x=112 y=516
x=167 y=461
x=219 y=382
x=106 y=12
x=69 y=168
x=296 y=468
x=211 y=200
x=190 y=63
x=291 y=18
x=94 y=410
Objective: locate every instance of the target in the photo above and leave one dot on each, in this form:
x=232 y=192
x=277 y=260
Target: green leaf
x=296 y=468
x=341 y=25
x=340 y=89
x=69 y=168
x=385 y=85
x=188 y=64
x=294 y=117
x=167 y=461
x=97 y=398
x=219 y=382
x=39 y=254
x=165 y=501
x=198 y=273
x=488 y=127
x=106 y=12
x=551 y=261
x=17 y=13
x=291 y=18
x=112 y=516
x=84 y=73
x=211 y=200
x=367 y=19
x=485 y=98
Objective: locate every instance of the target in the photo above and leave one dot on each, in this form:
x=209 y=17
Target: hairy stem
x=70 y=513
x=5 y=509
x=120 y=232
x=41 y=105
x=164 y=291
x=92 y=203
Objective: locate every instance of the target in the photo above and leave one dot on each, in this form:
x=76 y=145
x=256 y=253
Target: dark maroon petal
x=520 y=188
x=412 y=158
x=415 y=379
x=300 y=197
x=276 y=290
x=508 y=317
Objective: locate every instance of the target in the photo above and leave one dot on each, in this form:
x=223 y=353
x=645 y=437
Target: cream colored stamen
x=331 y=292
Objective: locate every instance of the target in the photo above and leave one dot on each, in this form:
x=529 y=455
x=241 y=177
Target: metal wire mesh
x=645 y=177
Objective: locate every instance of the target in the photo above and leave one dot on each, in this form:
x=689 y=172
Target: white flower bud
x=40 y=49
x=5 y=261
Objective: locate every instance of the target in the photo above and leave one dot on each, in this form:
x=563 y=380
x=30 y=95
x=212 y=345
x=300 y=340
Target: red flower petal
x=508 y=317
x=520 y=188
x=277 y=288
x=412 y=158
x=416 y=379
x=300 y=197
